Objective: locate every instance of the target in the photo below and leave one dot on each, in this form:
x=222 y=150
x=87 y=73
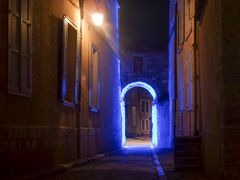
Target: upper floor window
x=20 y=48
x=70 y=63
x=200 y=9
x=137 y=65
x=181 y=25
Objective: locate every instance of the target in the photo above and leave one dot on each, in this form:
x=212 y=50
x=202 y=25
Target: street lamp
x=97 y=16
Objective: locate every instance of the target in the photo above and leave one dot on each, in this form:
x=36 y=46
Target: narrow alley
x=119 y=89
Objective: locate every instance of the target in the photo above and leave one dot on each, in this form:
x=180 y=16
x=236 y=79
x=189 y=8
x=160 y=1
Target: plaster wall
x=39 y=131
x=210 y=57
x=104 y=126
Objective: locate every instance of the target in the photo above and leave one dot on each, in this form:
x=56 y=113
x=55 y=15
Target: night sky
x=143 y=21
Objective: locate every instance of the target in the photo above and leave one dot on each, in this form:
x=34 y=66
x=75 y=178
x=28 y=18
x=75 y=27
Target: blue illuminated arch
x=154 y=109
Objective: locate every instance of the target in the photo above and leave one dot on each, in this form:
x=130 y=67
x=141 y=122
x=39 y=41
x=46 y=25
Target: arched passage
x=154 y=109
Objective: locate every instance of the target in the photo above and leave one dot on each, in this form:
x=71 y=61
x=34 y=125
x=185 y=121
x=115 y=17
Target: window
x=20 y=60
x=143 y=124
x=192 y=8
x=188 y=20
x=134 y=116
x=145 y=108
x=200 y=9
x=181 y=26
x=137 y=65
x=70 y=63
x=94 y=84
x=147 y=124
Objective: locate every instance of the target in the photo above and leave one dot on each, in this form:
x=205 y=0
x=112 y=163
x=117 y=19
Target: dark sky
x=143 y=21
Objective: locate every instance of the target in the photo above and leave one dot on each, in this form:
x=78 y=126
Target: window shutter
x=64 y=60
x=14 y=46
x=26 y=75
x=70 y=63
x=192 y=9
x=78 y=67
x=19 y=62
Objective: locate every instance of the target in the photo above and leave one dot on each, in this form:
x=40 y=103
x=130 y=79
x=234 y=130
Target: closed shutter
x=70 y=63
x=26 y=60
x=20 y=63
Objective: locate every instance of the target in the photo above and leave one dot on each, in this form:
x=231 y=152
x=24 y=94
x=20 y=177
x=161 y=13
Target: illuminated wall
x=160 y=122
x=101 y=128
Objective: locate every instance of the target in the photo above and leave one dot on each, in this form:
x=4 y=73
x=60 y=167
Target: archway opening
x=145 y=126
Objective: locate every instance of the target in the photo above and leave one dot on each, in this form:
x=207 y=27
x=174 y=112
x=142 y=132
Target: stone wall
x=155 y=70
x=155 y=73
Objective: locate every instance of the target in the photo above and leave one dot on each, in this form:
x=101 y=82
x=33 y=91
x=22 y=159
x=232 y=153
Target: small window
x=94 y=84
x=70 y=63
x=143 y=124
x=137 y=65
x=147 y=107
x=134 y=116
x=20 y=53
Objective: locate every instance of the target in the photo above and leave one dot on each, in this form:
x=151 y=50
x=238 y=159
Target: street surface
x=131 y=163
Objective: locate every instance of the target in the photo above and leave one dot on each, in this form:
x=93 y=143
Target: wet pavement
x=130 y=163
x=166 y=159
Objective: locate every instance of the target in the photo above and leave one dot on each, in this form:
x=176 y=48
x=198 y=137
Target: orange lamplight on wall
x=97 y=15
x=97 y=18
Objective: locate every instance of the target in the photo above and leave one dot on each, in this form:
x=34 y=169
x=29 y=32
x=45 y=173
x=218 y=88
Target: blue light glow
x=154 y=109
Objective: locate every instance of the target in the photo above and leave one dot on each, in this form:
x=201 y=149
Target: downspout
x=175 y=67
x=196 y=78
x=78 y=115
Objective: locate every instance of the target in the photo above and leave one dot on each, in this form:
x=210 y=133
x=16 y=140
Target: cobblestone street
x=131 y=163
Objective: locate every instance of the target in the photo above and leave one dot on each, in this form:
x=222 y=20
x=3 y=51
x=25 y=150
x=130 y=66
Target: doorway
x=139 y=115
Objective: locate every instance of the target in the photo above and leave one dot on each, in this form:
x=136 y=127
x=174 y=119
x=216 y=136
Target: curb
x=64 y=167
x=160 y=172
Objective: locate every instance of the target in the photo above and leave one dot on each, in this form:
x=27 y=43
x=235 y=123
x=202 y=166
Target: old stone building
x=204 y=84
x=140 y=68
x=55 y=66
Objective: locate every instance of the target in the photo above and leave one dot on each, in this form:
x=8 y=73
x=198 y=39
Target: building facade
x=151 y=67
x=203 y=84
x=55 y=67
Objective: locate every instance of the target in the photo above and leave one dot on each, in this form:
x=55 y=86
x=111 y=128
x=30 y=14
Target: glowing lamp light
x=97 y=18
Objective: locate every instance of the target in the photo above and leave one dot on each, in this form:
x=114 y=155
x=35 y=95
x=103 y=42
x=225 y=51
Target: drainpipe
x=78 y=115
x=196 y=78
x=175 y=66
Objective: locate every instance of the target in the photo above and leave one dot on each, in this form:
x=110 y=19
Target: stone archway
x=154 y=109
